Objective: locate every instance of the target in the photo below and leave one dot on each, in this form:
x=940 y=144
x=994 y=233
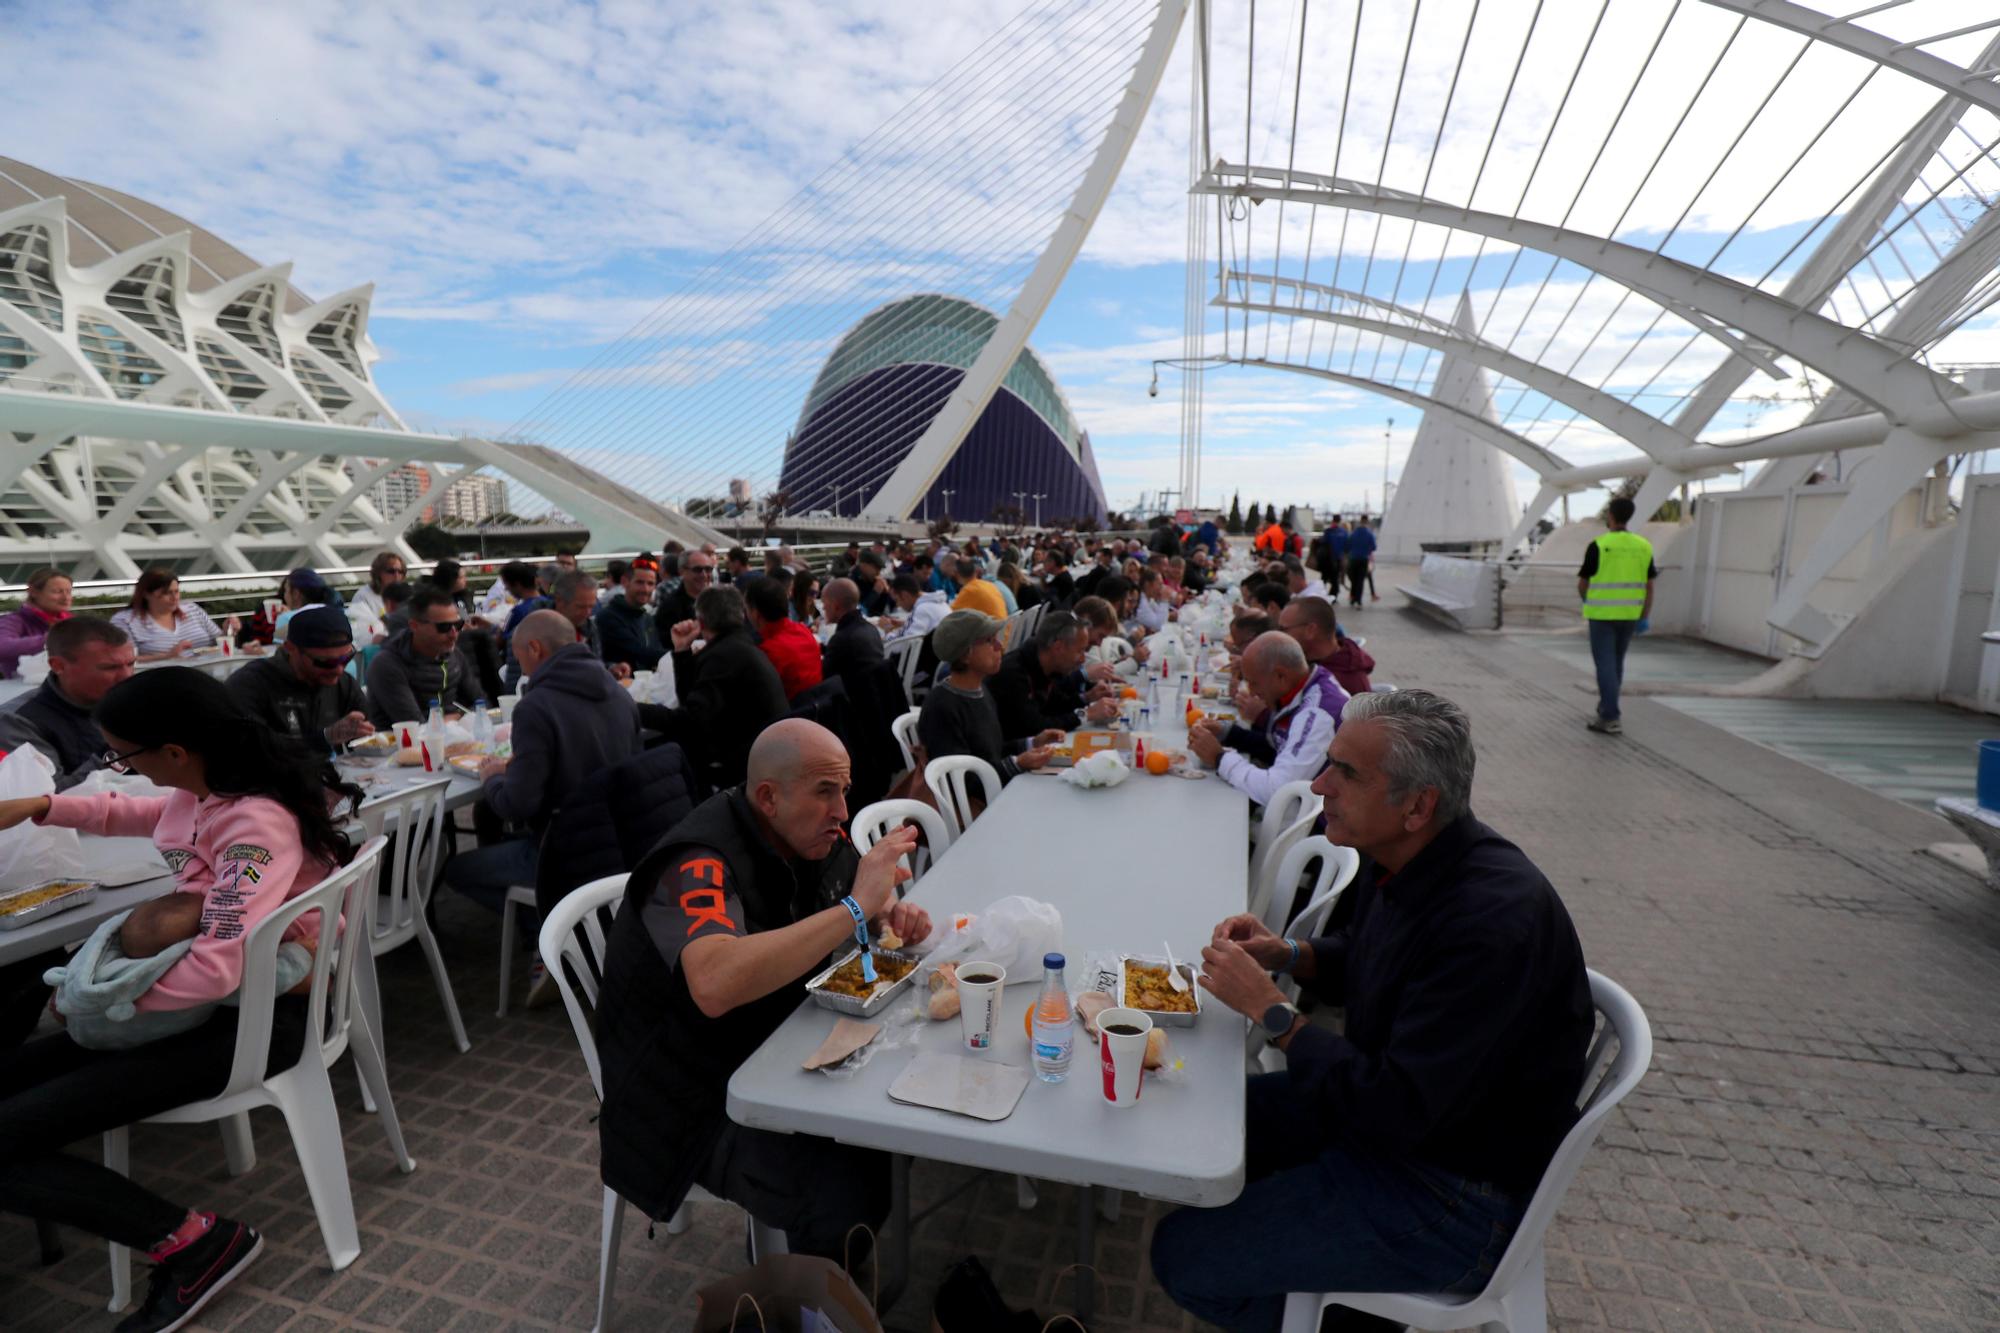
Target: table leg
x=898 y=1275
x=1086 y=1254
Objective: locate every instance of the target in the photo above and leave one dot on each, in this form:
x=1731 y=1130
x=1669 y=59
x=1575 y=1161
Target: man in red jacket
x=791 y=646
x=1311 y=621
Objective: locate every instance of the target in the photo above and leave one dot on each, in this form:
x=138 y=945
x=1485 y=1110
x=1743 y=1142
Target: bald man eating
x=1293 y=708
x=723 y=921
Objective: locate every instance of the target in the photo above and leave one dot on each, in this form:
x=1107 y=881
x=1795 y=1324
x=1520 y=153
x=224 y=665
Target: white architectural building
x=1457 y=491
x=166 y=398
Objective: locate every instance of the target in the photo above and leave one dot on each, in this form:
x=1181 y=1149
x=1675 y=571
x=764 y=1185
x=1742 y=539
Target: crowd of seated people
x=748 y=894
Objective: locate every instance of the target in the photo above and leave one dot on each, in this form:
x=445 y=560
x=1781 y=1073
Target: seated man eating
x=723 y=922
x=1399 y=1154
x=1293 y=708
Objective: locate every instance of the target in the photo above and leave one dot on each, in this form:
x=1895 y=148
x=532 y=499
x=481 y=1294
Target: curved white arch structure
x=168 y=399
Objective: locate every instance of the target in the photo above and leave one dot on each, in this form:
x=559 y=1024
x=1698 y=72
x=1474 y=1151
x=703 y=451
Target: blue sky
x=523 y=183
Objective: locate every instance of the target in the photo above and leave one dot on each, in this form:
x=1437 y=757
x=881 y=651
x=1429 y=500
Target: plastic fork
x=1174 y=977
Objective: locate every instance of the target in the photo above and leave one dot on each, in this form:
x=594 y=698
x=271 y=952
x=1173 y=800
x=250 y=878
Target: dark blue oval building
x=879 y=390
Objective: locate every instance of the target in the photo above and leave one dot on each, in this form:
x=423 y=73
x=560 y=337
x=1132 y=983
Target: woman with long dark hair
x=249 y=824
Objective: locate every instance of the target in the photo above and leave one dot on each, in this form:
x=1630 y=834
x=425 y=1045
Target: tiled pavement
x=1818 y=1145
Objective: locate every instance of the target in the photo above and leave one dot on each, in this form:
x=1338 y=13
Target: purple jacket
x=21 y=634
x=1288 y=744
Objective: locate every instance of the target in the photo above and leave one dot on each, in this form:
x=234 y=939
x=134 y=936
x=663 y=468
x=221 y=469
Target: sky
x=527 y=184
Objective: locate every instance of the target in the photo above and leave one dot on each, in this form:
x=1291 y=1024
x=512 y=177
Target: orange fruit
x=1157 y=762
x=1028 y=1022
x=1128 y=693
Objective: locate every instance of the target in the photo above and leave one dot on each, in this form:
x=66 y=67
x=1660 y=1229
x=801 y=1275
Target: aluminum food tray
x=877 y=1001
x=1162 y=1018
x=76 y=897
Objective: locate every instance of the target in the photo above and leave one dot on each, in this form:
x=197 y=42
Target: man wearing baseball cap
x=960 y=716
x=303 y=689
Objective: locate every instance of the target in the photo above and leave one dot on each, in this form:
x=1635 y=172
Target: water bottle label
x=1048 y=1051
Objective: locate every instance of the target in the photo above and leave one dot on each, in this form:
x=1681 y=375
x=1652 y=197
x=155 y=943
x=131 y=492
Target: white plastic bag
x=34 y=668
x=1014 y=932
x=30 y=853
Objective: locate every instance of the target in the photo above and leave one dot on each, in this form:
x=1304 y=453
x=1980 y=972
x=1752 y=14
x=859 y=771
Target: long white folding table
x=1128 y=866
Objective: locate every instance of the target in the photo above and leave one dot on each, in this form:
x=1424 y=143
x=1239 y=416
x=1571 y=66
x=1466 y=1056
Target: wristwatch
x=1278 y=1020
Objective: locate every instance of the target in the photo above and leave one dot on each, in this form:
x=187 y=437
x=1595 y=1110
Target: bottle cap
x=1053 y=961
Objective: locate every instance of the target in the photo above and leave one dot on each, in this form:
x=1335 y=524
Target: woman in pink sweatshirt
x=249 y=824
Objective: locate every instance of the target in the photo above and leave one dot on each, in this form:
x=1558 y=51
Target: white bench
x=1465 y=594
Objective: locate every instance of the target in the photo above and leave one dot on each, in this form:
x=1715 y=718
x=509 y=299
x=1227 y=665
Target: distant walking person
x=1616 y=585
x=1360 y=559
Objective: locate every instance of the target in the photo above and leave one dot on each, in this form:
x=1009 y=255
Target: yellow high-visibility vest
x=1617 y=590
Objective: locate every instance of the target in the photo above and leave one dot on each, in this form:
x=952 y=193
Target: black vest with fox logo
x=666 y=1065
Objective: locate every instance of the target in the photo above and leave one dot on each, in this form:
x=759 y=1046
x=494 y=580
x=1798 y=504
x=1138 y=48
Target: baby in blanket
x=123 y=958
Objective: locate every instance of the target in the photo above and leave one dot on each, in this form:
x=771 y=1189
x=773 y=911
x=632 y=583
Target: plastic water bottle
x=482 y=725
x=1145 y=720
x=431 y=740
x=1055 y=1028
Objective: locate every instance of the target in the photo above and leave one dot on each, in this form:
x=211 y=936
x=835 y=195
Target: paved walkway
x=1818 y=1145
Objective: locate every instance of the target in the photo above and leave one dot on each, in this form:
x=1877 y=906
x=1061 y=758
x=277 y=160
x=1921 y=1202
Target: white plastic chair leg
x=306 y=1098
x=607 y=1253
x=507 y=910
x=1302 y=1311
x=238 y=1149
x=1025 y=1197
x=1525 y=1307
x=364 y=1046
x=118 y=1156
x=766 y=1241
x=429 y=943
x=682 y=1219
x=368 y=1006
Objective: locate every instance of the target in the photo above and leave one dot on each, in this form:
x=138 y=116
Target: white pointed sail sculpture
x=1457 y=491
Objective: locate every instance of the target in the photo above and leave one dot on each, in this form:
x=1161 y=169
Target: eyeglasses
x=329 y=663
x=114 y=761
x=693 y=570
x=445 y=626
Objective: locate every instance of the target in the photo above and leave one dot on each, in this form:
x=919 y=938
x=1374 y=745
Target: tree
x=431 y=542
x=1008 y=517
x=942 y=528
x=772 y=511
x=1234 y=525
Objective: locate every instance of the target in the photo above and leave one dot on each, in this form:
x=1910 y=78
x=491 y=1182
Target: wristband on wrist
x=854 y=910
x=1291 y=964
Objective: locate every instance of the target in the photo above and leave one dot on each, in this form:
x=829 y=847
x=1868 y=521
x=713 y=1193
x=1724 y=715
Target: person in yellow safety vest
x=1616 y=585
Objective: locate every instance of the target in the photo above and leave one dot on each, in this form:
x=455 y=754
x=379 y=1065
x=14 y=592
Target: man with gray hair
x=1293 y=709
x=1399 y=1153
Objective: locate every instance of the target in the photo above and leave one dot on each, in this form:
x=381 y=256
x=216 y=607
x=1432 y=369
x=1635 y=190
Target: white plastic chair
x=1008 y=628
x=877 y=820
x=1337 y=868
x=1515 y=1300
x=946 y=776
x=904 y=653
x=302 y=1093
x=904 y=729
x=1280 y=813
x=573 y=941
x=418 y=817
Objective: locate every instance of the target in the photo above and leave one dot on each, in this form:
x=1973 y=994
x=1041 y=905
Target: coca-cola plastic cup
x=1121 y=1047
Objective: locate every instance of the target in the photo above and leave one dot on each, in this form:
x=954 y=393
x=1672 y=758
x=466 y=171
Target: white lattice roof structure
x=169 y=399
x=1641 y=206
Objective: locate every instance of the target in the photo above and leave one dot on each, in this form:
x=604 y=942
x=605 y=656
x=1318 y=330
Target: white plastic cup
x=1123 y=1054
x=507 y=703
x=272 y=606
x=979 y=1004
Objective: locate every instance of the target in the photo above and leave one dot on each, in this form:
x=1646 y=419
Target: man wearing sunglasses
x=697 y=577
x=304 y=690
x=422 y=663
